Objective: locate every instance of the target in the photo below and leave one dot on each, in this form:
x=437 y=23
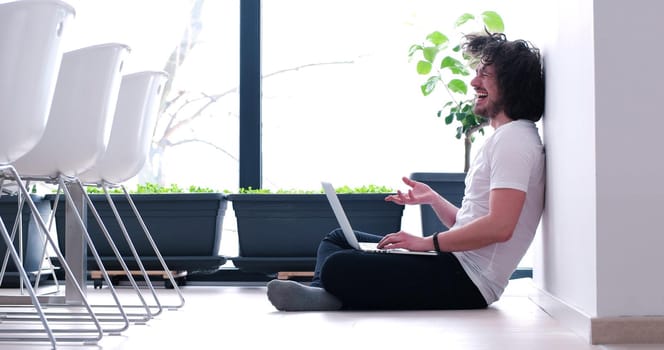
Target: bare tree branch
x=306 y=66
x=172 y=128
x=187 y=43
x=211 y=144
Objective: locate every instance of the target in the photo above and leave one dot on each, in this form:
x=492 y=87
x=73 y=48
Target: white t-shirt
x=513 y=157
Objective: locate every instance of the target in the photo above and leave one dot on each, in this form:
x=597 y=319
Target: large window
x=340 y=100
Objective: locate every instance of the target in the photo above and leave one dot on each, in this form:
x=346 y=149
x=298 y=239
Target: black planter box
x=449 y=185
x=186 y=228
x=33 y=239
x=281 y=232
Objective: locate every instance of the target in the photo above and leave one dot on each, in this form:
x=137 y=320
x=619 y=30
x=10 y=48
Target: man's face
x=488 y=102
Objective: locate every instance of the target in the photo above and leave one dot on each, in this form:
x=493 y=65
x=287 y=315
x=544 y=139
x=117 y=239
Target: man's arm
x=421 y=193
x=505 y=205
x=445 y=211
x=497 y=226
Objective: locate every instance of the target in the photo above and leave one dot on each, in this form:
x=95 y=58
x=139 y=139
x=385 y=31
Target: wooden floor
x=240 y=317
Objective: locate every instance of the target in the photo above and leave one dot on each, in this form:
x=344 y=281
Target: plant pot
x=33 y=239
x=186 y=227
x=281 y=232
x=449 y=185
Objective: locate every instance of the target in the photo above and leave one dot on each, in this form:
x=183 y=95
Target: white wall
x=602 y=234
x=629 y=122
x=566 y=262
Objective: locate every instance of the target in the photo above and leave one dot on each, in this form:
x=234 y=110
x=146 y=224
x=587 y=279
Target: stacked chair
x=127 y=151
x=76 y=136
x=71 y=119
x=31 y=35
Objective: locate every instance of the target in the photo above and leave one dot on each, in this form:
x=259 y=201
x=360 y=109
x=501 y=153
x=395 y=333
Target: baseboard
x=601 y=330
x=568 y=316
x=627 y=330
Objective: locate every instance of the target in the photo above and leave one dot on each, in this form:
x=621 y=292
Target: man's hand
x=405 y=240
x=419 y=193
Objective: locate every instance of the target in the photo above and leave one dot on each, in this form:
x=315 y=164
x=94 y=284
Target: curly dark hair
x=518 y=68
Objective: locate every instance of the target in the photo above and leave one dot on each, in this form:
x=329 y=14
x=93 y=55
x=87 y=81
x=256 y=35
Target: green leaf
x=413 y=49
x=423 y=67
x=470 y=120
x=493 y=22
x=198 y=189
x=463 y=19
x=458 y=86
x=454 y=65
x=437 y=38
x=97 y=190
x=449 y=119
x=250 y=190
x=428 y=87
x=430 y=53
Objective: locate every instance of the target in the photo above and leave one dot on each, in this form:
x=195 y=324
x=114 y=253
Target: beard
x=489 y=110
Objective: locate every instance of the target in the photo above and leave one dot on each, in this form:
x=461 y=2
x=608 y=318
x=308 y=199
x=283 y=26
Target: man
x=488 y=235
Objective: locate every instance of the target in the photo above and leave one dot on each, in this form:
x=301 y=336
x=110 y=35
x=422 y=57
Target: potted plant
x=281 y=231
x=186 y=226
x=444 y=64
x=453 y=70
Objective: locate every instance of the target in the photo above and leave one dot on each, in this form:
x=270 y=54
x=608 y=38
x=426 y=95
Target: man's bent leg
x=334 y=242
x=399 y=282
x=288 y=295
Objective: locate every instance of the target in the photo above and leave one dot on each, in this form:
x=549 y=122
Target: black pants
x=376 y=281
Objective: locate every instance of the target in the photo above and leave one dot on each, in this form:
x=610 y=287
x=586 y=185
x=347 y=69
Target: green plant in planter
x=342 y=190
x=151 y=188
x=444 y=63
x=185 y=223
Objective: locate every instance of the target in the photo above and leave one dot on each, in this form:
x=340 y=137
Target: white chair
x=135 y=118
x=128 y=148
x=31 y=35
x=76 y=135
x=81 y=114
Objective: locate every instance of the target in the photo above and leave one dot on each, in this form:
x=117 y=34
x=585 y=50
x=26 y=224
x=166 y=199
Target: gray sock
x=288 y=295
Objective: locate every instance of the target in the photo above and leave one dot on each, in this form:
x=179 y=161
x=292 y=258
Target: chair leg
x=73 y=335
x=86 y=236
x=152 y=244
x=31 y=292
x=149 y=314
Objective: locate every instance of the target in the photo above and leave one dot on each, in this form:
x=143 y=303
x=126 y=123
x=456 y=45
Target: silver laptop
x=348 y=230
